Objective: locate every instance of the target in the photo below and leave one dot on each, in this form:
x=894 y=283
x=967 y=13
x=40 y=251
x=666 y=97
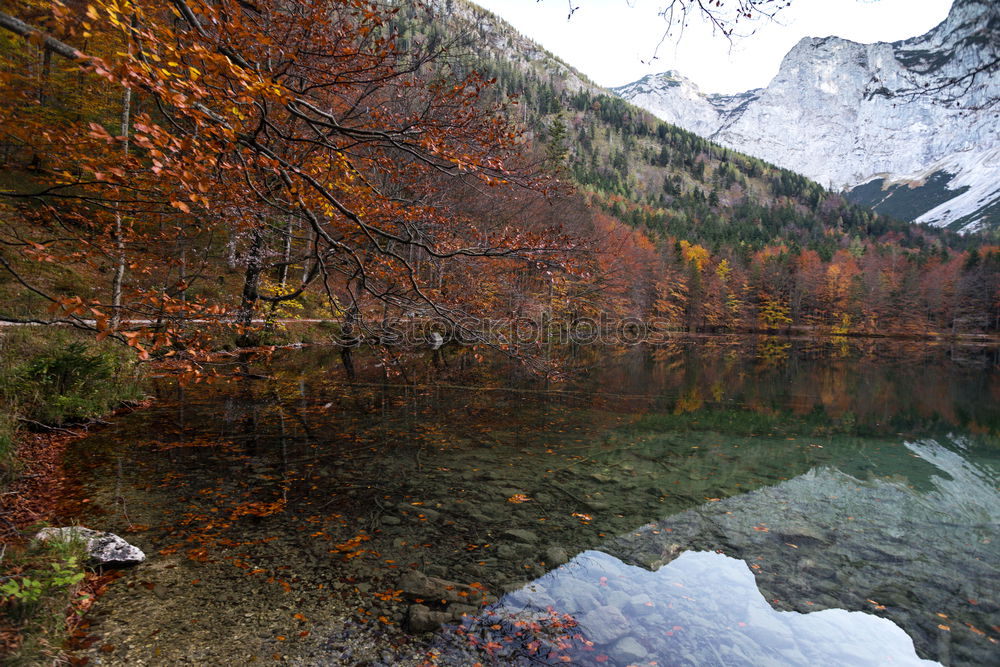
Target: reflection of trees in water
x=432 y=456
x=881 y=386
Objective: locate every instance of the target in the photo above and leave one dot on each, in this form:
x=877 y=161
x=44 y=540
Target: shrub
x=38 y=583
x=59 y=380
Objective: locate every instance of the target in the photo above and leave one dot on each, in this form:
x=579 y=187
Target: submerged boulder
x=422 y=619
x=416 y=584
x=103 y=548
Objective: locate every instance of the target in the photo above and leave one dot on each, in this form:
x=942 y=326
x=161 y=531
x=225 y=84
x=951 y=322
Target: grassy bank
x=53 y=382
x=50 y=378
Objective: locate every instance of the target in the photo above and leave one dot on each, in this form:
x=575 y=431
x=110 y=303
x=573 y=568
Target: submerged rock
x=416 y=585
x=556 y=556
x=525 y=536
x=422 y=619
x=604 y=624
x=102 y=548
x=629 y=650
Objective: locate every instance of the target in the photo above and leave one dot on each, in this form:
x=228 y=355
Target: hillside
x=652 y=174
x=740 y=243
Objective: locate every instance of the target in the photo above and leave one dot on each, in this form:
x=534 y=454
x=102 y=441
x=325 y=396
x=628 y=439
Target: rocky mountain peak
x=847 y=114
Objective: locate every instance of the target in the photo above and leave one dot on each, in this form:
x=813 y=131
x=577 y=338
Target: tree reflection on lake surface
x=722 y=501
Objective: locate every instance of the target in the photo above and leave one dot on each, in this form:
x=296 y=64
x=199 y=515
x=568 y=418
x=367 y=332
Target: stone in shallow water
x=629 y=650
x=603 y=625
x=555 y=556
x=422 y=619
x=506 y=552
x=641 y=605
x=415 y=584
x=526 y=536
x=459 y=610
x=103 y=548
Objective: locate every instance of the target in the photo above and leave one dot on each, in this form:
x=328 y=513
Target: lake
x=719 y=501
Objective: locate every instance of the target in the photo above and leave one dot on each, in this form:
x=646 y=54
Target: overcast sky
x=614 y=41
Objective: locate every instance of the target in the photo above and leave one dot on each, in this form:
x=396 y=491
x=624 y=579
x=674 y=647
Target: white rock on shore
x=103 y=548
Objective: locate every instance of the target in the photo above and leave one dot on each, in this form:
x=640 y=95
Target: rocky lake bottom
x=694 y=504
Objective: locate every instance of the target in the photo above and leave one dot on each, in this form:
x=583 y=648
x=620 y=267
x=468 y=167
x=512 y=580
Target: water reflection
x=703 y=608
x=318 y=509
x=907 y=533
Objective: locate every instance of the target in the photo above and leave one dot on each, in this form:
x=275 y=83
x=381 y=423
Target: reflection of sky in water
x=702 y=608
x=959 y=482
x=825 y=540
x=868 y=522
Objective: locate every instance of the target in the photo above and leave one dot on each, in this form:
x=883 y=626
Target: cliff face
x=849 y=114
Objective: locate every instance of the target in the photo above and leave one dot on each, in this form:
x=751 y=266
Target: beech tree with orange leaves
x=293 y=139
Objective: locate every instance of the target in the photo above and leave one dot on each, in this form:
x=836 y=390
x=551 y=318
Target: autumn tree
x=295 y=139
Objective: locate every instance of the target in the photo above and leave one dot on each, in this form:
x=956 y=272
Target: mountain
x=910 y=128
x=658 y=177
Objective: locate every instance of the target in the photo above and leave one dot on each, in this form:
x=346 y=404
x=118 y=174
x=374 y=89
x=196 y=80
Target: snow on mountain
x=848 y=114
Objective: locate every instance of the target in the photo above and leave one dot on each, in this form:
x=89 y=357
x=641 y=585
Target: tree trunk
x=43 y=85
x=286 y=256
x=251 y=283
x=119 y=277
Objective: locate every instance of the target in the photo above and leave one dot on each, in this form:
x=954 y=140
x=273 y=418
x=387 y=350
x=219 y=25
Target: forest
x=235 y=165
